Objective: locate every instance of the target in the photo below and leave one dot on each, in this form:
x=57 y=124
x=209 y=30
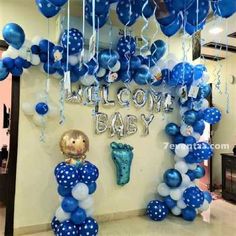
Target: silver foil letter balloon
x=139 y=98
x=101 y=123
x=131 y=125
x=123 y=96
x=147 y=120
x=117 y=125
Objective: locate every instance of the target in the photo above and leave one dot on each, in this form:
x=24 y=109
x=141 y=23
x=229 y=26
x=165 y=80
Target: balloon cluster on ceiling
x=179 y=191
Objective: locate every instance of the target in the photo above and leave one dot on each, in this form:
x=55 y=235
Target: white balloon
x=176 y=211
x=181 y=166
x=57 y=76
x=161 y=64
x=73 y=60
x=101 y=72
x=176 y=158
x=27 y=44
x=39 y=120
x=80 y=191
x=62 y=215
x=90 y=212
x=116 y=67
x=88 y=80
x=23 y=53
x=197 y=136
x=186 y=130
x=185 y=180
x=28 y=108
x=205 y=77
x=36 y=40
x=204 y=206
x=181 y=204
x=163 y=190
x=5 y=54
x=53 y=111
x=205 y=104
x=35 y=60
x=87 y=203
x=12 y=52
x=192 y=166
x=182 y=109
x=176 y=194
x=171 y=63
x=181 y=150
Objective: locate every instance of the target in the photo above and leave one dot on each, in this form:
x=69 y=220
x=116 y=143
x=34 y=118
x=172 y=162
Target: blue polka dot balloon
x=212 y=115
x=88 y=173
x=157 y=210
x=67 y=176
x=55 y=224
x=193 y=197
x=76 y=41
x=58 y=167
x=183 y=73
x=126 y=46
x=202 y=151
x=47 y=8
x=88 y=228
x=67 y=228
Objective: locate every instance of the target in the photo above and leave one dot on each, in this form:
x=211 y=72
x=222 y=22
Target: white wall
x=36 y=196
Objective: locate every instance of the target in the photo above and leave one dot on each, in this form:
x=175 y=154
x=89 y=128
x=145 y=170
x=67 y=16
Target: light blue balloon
x=14 y=35
x=3 y=71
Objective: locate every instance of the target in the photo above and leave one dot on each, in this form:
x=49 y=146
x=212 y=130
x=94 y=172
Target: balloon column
x=76 y=180
x=179 y=192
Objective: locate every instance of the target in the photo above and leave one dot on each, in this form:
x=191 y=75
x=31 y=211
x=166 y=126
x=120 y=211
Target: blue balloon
x=172 y=129
x=108 y=58
x=8 y=62
x=27 y=64
x=124 y=63
x=93 y=66
x=178 y=5
x=143 y=8
x=3 y=71
x=197 y=16
x=202 y=151
x=143 y=76
x=35 y=49
x=67 y=176
x=14 y=35
x=67 y=228
x=199 y=172
x=207 y=196
x=224 y=8
x=169 y=202
x=69 y=204
x=174 y=27
x=167 y=20
x=48 y=68
x=190 y=158
x=92 y=187
x=189 y=140
x=157 y=210
x=16 y=71
x=101 y=7
x=158 y=49
x=88 y=227
x=64 y=191
x=74 y=74
x=178 y=139
x=198 y=71
x=126 y=46
x=189 y=214
x=47 y=9
x=58 y=167
x=46 y=46
x=135 y=62
x=190 y=117
x=58 y=3
x=191 y=175
x=126 y=13
x=76 y=41
x=172 y=178
x=41 y=108
x=193 y=197
x=55 y=224
x=125 y=76
x=88 y=173
x=182 y=73
x=204 y=91
x=78 y=216
x=190 y=29
x=199 y=126
x=212 y=115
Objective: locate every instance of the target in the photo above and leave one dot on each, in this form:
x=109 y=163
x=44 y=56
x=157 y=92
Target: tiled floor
x=218 y=221
x=2 y=220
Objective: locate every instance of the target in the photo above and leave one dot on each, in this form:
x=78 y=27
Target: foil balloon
x=147 y=120
x=139 y=98
x=123 y=96
x=105 y=97
x=130 y=125
x=101 y=120
x=74 y=144
x=122 y=155
x=117 y=126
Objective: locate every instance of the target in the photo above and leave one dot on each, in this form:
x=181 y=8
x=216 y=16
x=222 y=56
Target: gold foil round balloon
x=74 y=144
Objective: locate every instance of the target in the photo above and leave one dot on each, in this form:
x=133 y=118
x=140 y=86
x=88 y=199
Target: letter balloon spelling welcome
x=76 y=180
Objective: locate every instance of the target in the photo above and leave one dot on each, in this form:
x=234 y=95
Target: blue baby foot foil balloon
x=122 y=155
x=47 y=8
x=14 y=35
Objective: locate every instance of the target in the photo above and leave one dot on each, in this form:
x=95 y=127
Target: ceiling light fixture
x=216 y=30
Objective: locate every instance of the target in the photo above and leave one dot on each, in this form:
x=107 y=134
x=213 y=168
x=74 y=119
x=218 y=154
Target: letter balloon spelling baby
x=76 y=180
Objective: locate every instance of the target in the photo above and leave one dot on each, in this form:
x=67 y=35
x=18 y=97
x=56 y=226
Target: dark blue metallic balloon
x=125 y=76
x=207 y=196
x=143 y=8
x=158 y=49
x=174 y=27
x=172 y=178
x=47 y=9
x=14 y=35
x=169 y=202
x=190 y=140
x=135 y=63
x=193 y=197
x=199 y=172
x=189 y=214
x=92 y=187
x=19 y=62
x=224 y=8
x=157 y=210
x=197 y=16
x=191 y=175
x=167 y=20
x=178 y=139
x=190 y=159
x=204 y=91
x=78 y=216
x=48 y=68
x=16 y=71
x=212 y=115
x=172 y=129
x=199 y=126
x=190 y=117
x=8 y=62
x=64 y=191
x=143 y=76
x=45 y=46
x=190 y=29
x=41 y=108
x=3 y=71
x=69 y=204
x=108 y=58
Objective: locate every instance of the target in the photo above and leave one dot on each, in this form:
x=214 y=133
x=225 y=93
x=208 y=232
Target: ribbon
x=145 y=46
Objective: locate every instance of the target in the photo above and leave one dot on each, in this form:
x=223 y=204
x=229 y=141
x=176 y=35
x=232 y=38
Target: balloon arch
x=178 y=193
